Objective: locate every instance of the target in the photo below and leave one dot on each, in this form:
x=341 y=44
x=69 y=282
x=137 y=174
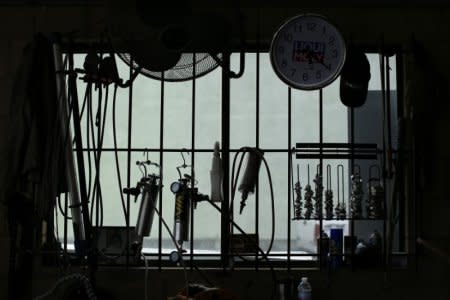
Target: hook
x=182 y=156
x=328 y=177
x=184 y=165
x=308 y=175
x=140 y=166
x=146 y=156
x=340 y=182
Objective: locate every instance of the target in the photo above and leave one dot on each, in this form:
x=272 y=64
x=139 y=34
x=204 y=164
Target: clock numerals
x=311 y=26
x=334 y=53
x=305 y=76
x=288 y=37
x=319 y=75
x=331 y=40
x=307 y=52
x=293 y=70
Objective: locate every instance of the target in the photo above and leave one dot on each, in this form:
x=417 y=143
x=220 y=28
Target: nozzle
x=244 y=198
x=242 y=207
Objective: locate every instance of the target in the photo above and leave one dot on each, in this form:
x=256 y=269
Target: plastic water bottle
x=304 y=290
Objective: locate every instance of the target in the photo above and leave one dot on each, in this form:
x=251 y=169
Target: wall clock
x=307 y=52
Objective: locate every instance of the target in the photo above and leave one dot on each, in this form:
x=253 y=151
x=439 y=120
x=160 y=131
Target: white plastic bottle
x=304 y=289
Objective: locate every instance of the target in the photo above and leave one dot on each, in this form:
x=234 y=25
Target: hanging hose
x=80 y=277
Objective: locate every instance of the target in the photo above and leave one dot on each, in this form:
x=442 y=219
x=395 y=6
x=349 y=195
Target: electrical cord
x=97 y=193
x=82 y=278
x=116 y=154
x=264 y=254
x=88 y=116
x=63 y=213
x=83 y=106
x=180 y=251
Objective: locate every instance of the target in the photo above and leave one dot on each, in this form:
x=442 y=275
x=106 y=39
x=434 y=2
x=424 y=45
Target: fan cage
x=183 y=70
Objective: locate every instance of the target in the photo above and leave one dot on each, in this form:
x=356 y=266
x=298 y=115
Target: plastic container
x=304 y=290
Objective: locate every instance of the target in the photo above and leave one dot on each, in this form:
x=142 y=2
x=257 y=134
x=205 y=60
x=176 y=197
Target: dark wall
x=425 y=109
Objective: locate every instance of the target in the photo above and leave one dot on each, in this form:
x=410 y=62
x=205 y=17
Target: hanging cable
x=88 y=117
x=86 y=284
x=180 y=251
x=85 y=100
x=116 y=155
x=63 y=213
x=264 y=254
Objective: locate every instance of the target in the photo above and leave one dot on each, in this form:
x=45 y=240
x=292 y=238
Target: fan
x=161 y=40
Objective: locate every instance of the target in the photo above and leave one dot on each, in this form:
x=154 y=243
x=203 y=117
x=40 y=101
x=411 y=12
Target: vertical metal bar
x=191 y=257
x=257 y=146
x=79 y=149
x=66 y=208
x=320 y=174
x=352 y=166
x=388 y=116
x=225 y=228
x=161 y=168
x=97 y=163
x=289 y=179
x=130 y=120
x=384 y=156
x=404 y=207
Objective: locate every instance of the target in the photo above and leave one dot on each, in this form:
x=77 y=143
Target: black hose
x=234 y=184
x=116 y=155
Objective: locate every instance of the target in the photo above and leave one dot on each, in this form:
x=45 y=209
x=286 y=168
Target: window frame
x=228 y=151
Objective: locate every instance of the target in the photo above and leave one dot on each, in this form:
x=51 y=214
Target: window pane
x=305 y=121
x=208 y=108
x=243 y=104
x=145 y=131
x=273 y=107
x=375 y=81
x=335 y=115
x=177 y=114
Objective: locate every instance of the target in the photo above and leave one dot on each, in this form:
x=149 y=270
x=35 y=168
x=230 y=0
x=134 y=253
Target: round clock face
x=307 y=52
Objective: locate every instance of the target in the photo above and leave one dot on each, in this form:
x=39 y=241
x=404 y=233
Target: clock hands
x=314 y=57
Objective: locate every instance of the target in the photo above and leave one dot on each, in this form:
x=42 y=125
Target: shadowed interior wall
x=368 y=25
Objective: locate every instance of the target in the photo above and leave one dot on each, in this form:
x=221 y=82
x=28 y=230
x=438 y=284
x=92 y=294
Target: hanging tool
x=185 y=196
x=298 y=197
x=375 y=195
x=318 y=181
x=357 y=194
x=248 y=183
x=329 y=196
x=340 y=211
x=308 y=199
x=149 y=186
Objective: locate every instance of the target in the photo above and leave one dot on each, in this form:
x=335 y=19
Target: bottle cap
x=304 y=278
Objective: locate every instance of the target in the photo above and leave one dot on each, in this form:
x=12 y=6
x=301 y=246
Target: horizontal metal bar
x=181 y=149
x=336 y=156
x=310 y=150
x=336 y=145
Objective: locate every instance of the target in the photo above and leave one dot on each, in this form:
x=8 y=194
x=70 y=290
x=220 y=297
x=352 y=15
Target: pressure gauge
x=307 y=52
x=175 y=256
x=176 y=187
